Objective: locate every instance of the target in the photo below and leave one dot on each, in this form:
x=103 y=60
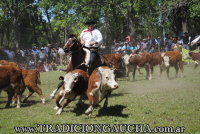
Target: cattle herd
x=95 y=86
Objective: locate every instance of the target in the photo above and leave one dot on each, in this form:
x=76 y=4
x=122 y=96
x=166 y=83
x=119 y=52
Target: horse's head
x=72 y=44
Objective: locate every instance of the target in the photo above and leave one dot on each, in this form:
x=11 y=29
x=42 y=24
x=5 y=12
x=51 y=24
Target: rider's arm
x=97 y=40
x=81 y=39
x=99 y=37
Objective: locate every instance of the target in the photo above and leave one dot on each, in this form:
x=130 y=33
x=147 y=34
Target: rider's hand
x=82 y=42
x=92 y=43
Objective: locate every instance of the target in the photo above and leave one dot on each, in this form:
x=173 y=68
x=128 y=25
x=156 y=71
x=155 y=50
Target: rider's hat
x=90 y=22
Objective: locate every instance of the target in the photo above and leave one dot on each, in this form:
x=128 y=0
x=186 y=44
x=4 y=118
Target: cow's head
x=126 y=59
x=166 y=59
x=108 y=77
x=70 y=80
x=187 y=56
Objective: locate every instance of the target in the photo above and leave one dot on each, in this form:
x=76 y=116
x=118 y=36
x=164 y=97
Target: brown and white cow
x=173 y=58
x=10 y=80
x=75 y=83
x=101 y=84
x=128 y=67
x=141 y=60
x=194 y=56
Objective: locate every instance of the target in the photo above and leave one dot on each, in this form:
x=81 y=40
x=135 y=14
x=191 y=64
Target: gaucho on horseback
x=91 y=39
x=84 y=53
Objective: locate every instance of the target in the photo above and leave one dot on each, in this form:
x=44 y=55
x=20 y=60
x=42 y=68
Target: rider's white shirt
x=89 y=36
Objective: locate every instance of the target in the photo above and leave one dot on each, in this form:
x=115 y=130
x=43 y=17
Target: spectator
x=144 y=45
x=61 y=54
x=168 y=46
x=133 y=48
x=180 y=40
x=118 y=46
x=42 y=55
x=126 y=46
x=186 y=40
x=54 y=55
x=158 y=43
x=35 y=53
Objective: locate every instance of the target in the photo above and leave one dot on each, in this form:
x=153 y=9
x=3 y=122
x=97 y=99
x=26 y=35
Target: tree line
x=27 y=23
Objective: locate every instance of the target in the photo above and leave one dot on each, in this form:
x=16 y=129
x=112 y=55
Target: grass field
x=159 y=102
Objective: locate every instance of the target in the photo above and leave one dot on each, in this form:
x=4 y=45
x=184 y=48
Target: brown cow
x=194 y=56
x=30 y=80
x=141 y=60
x=173 y=58
x=5 y=62
x=10 y=80
x=156 y=59
x=113 y=60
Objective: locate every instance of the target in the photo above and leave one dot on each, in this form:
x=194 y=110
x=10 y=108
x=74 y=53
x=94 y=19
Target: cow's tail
x=38 y=77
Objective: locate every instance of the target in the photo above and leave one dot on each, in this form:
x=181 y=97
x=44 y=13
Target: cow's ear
x=76 y=77
x=61 y=78
x=113 y=69
x=162 y=54
x=76 y=74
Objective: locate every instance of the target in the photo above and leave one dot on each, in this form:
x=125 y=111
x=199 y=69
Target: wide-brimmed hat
x=90 y=22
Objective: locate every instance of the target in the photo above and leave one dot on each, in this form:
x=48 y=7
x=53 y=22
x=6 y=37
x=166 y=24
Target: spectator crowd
x=151 y=45
x=43 y=58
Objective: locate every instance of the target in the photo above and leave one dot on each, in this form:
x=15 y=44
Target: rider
x=91 y=39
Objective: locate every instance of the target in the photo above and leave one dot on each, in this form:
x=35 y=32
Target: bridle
x=71 y=45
